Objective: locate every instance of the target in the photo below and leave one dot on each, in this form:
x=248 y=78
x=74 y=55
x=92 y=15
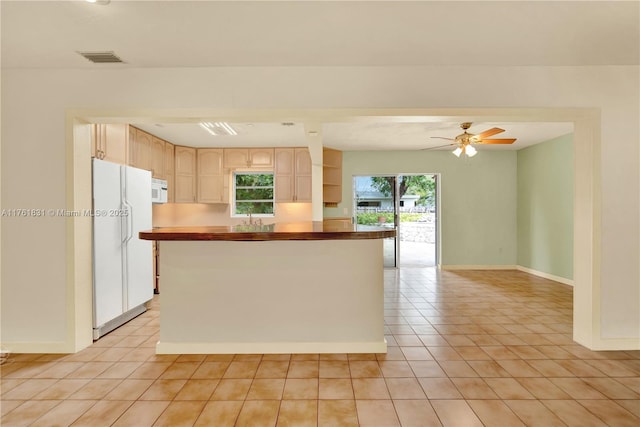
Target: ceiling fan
x=465 y=140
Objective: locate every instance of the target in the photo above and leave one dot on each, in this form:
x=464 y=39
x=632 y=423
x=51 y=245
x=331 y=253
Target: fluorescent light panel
x=218 y=128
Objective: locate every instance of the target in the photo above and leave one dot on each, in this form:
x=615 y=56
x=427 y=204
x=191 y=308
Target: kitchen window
x=253 y=194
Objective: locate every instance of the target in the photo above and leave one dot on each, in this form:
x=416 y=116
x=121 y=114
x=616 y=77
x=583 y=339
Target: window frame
x=234 y=193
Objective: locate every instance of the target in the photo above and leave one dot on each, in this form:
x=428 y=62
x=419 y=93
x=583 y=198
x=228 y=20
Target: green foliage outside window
x=421 y=185
x=253 y=193
x=375 y=218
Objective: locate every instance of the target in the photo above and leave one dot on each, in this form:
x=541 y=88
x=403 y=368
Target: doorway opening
x=406 y=202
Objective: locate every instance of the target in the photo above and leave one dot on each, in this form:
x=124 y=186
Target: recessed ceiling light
x=218 y=128
x=101 y=2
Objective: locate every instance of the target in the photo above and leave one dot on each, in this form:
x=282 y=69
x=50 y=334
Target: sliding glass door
x=406 y=203
x=375 y=203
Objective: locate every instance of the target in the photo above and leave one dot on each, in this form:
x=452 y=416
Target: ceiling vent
x=102 y=57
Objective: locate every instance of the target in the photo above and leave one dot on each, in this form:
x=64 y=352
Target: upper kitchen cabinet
x=169 y=170
x=212 y=181
x=261 y=157
x=303 y=175
x=110 y=142
x=331 y=177
x=240 y=158
x=293 y=175
x=157 y=158
x=185 y=174
x=140 y=149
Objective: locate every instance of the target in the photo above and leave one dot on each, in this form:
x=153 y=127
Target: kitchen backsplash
x=197 y=214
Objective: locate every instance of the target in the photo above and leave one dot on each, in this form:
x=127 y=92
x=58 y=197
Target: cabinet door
x=284 y=174
x=110 y=142
x=157 y=158
x=140 y=149
x=211 y=188
x=302 y=175
x=185 y=171
x=115 y=143
x=169 y=173
x=261 y=157
x=236 y=158
x=95 y=141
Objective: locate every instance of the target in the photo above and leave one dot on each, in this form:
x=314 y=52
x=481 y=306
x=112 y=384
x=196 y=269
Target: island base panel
x=270 y=348
x=272 y=297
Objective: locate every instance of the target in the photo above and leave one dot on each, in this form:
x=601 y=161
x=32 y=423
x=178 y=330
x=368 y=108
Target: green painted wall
x=478 y=199
x=545 y=207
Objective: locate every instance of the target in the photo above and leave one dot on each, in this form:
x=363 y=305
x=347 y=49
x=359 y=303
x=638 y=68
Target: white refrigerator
x=122 y=263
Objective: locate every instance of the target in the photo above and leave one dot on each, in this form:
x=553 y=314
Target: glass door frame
x=396 y=211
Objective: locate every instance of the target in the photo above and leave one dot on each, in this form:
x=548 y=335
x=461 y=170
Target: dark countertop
x=316 y=230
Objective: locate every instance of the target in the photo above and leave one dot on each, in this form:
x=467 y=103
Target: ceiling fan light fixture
x=471 y=151
x=457 y=151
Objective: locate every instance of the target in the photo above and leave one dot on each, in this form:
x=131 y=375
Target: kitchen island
x=283 y=288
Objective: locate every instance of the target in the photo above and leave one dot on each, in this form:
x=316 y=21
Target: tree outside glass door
x=408 y=204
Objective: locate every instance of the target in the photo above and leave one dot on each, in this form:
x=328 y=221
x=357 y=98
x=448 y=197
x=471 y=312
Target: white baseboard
x=269 y=347
x=545 y=275
x=36 y=347
x=477 y=267
x=616 y=344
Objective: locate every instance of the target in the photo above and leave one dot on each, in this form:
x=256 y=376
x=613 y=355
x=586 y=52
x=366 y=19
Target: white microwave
x=158 y=191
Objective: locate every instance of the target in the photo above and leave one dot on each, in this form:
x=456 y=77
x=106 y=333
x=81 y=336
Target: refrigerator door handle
x=124 y=223
x=130 y=220
x=127 y=222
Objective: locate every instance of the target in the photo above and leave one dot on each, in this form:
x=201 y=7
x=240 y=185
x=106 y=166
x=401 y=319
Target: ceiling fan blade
x=439 y=146
x=488 y=133
x=497 y=141
x=442 y=137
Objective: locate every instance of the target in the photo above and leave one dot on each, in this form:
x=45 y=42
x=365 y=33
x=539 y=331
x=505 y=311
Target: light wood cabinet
x=302 y=175
x=236 y=158
x=331 y=176
x=292 y=175
x=157 y=158
x=261 y=157
x=140 y=149
x=110 y=142
x=212 y=186
x=284 y=174
x=240 y=158
x=185 y=174
x=169 y=171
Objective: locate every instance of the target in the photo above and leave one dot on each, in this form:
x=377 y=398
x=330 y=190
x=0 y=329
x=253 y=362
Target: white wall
x=35 y=281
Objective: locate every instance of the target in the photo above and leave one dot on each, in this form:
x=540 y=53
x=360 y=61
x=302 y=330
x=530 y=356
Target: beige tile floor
x=472 y=348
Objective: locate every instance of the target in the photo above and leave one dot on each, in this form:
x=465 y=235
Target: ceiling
x=353 y=136
x=320 y=33
x=144 y=34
